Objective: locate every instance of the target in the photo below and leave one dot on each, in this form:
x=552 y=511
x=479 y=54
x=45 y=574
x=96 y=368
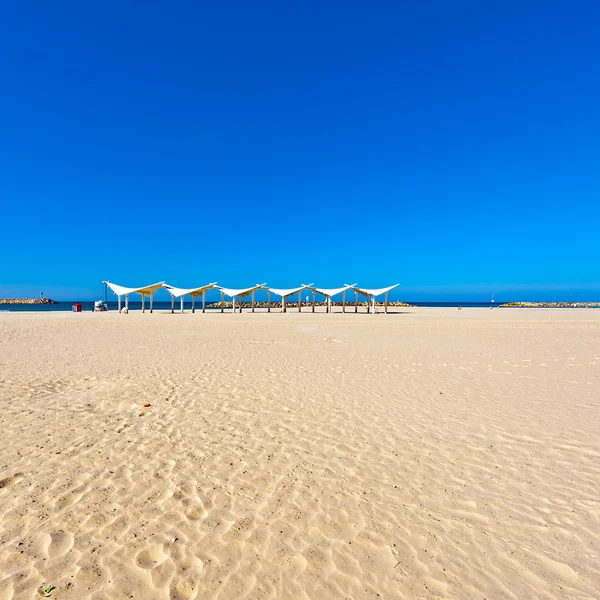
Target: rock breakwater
x=551 y=305
x=27 y=301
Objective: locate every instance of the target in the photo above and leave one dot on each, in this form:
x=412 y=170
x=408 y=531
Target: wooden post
x=344 y=301
x=386 y=302
x=300 y=301
x=193 y=304
x=119 y=303
x=143 y=303
x=313 y=300
x=172 y=304
x=269 y=301
x=355 y=301
x=252 y=300
x=203 y=301
x=222 y=300
x=181 y=300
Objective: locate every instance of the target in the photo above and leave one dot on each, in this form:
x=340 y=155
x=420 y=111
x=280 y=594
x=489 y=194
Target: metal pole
x=172 y=304
x=181 y=300
x=151 y=301
x=119 y=303
x=143 y=303
x=344 y=301
x=355 y=301
x=313 y=300
x=193 y=304
x=222 y=300
x=269 y=301
x=328 y=304
x=386 y=302
x=282 y=303
x=203 y=302
x=300 y=301
x=233 y=304
x=252 y=300
x=127 y=302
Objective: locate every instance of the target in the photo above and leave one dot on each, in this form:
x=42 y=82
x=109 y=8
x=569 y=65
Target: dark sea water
x=166 y=306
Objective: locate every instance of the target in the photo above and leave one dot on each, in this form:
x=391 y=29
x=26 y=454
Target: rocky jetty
x=551 y=305
x=27 y=301
x=276 y=304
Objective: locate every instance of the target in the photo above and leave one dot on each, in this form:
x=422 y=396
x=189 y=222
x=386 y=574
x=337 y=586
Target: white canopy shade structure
x=371 y=294
x=328 y=293
x=147 y=290
x=285 y=293
x=242 y=293
x=193 y=292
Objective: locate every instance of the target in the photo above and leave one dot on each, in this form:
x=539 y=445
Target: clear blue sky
x=451 y=146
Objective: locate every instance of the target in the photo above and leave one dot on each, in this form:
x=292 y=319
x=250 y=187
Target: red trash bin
x=77 y=307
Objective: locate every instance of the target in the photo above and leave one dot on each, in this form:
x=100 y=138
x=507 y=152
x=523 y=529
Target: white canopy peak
x=121 y=290
x=177 y=292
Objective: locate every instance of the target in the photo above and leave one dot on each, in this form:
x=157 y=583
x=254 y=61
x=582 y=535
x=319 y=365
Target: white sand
x=430 y=454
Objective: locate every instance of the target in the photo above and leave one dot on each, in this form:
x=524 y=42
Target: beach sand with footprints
x=429 y=453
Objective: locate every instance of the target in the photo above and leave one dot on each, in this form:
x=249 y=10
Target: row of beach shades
x=148 y=291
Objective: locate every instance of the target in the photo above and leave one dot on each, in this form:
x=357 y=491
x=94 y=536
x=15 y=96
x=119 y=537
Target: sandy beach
x=430 y=453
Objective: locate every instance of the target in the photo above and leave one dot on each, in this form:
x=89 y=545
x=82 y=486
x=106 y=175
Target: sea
x=166 y=306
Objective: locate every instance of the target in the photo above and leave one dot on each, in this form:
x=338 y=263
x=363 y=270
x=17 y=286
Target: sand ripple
x=432 y=454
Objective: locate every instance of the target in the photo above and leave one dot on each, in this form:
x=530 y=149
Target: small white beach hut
x=193 y=292
x=147 y=290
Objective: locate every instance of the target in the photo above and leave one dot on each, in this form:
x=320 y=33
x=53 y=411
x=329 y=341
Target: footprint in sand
x=151 y=557
x=10 y=480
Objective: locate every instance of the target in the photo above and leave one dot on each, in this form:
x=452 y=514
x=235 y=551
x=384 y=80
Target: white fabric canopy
x=330 y=291
x=177 y=292
x=290 y=291
x=240 y=292
x=121 y=290
x=373 y=292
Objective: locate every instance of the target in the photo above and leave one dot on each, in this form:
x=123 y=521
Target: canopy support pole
x=386 y=302
x=151 y=301
x=143 y=303
x=300 y=301
x=283 y=308
x=344 y=301
x=222 y=300
x=373 y=304
x=355 y=302
x=252 y=300
x=172 y=304
x=203 y=302
x=119 y=303
x=313 y=300
x=233 y=304
x=193 y=304
x=269 y=301
x=328 y=304
x=127 y=302
x=181 y=301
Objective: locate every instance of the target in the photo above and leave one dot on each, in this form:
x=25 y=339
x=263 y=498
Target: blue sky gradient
x=448 y=146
